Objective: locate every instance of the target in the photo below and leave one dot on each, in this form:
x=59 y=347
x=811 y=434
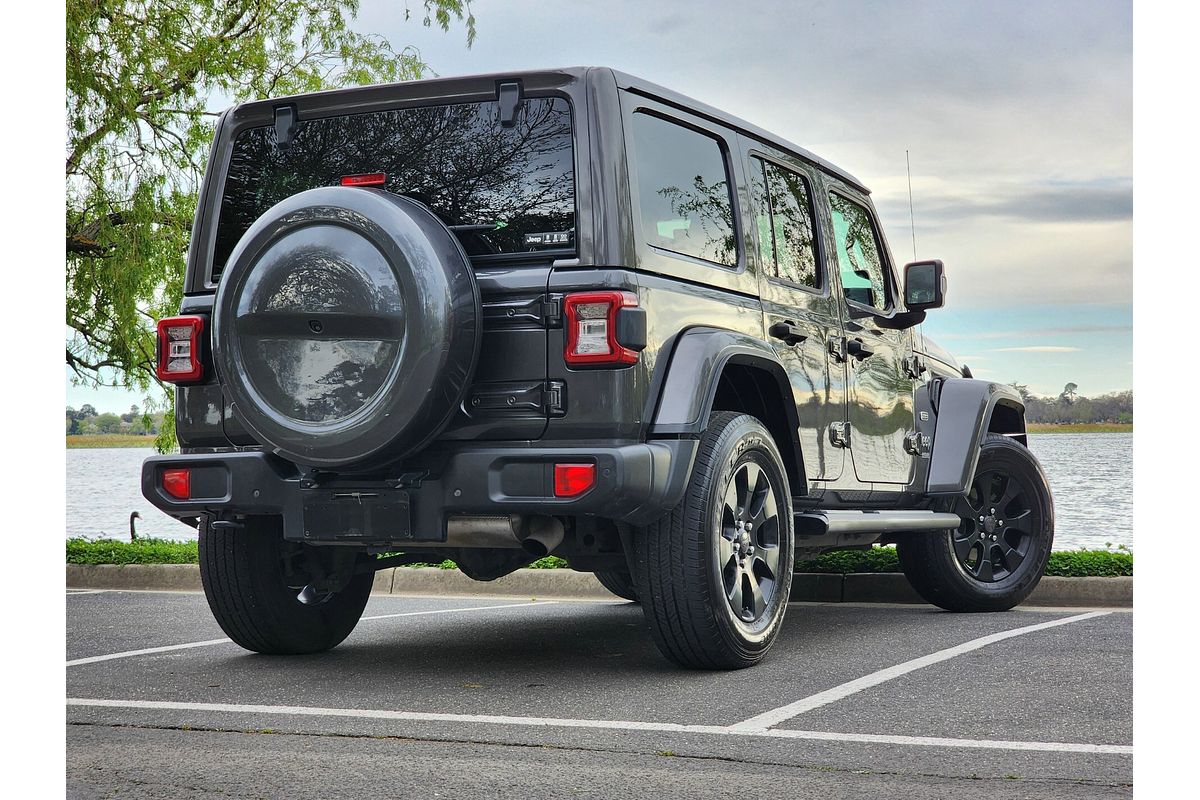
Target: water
x=1091 y=475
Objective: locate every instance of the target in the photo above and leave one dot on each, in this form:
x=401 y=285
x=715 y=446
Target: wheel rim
x=999 y=525
x=748 y=545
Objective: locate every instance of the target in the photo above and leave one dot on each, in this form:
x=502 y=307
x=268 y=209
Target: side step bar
x=831 y=528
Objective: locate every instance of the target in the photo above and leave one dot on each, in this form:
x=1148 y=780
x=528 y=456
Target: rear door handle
x=858 y=349
x=789 y=332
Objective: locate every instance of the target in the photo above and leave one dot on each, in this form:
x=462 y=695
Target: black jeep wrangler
x=567 y=311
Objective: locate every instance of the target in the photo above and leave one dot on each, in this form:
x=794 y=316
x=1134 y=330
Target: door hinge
x=837 y=349
x=544 y=310
x=543 y=397
x=917 y=443
x=554 y=398
x=839 y=434
x=914 y=367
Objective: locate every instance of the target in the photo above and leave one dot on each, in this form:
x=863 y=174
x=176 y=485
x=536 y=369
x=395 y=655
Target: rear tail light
x=595 y=332
x=179 y=357
x=366 y=179
x=572 y=480
x=177 y=483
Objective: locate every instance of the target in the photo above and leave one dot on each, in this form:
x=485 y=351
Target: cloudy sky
x=1017 y=117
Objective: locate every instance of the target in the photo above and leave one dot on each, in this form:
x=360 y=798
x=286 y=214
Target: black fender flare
x=688 y=385
x=967 y=410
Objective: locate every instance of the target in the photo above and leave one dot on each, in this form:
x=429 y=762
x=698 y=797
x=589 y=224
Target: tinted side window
x=784 y=213
x=683 y=189
x=861 y=268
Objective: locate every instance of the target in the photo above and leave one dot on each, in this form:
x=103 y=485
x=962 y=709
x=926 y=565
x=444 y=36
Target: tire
x=1005 y=550
x=619 y=582
x=688 y=588
x=243 y=579
x=346 y=327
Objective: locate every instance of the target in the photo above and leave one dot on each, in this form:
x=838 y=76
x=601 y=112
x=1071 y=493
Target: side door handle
x=788 y=331
x=858 y=349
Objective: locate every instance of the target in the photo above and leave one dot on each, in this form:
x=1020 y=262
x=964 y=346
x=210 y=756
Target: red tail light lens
x=177 y=483
x=572 y=480
x=591 y=321
x=179 y=349
x=366 y=179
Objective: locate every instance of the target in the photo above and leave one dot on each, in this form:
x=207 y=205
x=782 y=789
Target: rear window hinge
x=552 y=310
x=508 y=95
x=285 y=126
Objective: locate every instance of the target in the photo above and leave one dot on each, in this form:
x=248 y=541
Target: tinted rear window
x=515 y=186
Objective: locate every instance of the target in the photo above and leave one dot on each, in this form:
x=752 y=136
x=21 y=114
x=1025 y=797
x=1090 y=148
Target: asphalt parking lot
x=478 y=697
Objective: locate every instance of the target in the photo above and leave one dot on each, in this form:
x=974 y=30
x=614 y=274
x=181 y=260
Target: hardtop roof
x=536 y=78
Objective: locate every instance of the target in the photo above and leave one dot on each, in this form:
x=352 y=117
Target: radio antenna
x=912 y=221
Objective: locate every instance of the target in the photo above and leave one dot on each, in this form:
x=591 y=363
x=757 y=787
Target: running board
x=827 y=528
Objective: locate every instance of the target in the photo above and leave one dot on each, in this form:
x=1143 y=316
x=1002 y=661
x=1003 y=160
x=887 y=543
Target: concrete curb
x=568 y=584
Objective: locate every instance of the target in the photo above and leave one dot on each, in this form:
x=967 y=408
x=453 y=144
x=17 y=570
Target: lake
x=1091 y=475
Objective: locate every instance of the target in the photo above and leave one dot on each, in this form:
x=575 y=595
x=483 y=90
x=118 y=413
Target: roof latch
x=510 y=100
x=285 y=127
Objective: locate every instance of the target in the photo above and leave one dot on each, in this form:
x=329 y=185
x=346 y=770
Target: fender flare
x=688 y=385
x=966 y=408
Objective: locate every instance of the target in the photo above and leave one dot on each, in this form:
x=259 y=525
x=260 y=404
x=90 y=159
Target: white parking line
x=782 y=714
x=167 y=648
x=600 y=724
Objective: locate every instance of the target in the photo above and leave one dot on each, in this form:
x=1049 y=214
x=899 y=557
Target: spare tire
x=346 y=327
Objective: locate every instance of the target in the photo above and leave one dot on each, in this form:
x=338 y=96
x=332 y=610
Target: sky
x=1017 y=117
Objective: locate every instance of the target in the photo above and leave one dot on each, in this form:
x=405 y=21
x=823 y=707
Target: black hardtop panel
x=665 y=95
x=441 y=90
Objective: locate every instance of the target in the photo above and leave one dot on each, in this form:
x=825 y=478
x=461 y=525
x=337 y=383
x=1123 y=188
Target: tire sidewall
x=745 y=440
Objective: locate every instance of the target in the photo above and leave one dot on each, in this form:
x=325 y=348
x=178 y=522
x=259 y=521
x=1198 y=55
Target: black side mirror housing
x=924 y=285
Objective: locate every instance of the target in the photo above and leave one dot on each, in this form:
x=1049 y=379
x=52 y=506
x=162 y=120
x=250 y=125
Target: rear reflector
x=179 y=349
x=177 y=483
x=366 y=179
x=571 y=480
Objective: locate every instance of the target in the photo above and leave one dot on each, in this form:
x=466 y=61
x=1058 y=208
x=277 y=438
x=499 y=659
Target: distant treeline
x=87 y=421
x=1070 y=407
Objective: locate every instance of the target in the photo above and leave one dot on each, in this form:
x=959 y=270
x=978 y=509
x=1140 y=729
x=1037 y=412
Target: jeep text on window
x=863 y=273
x=684 y=190
x=783 y=211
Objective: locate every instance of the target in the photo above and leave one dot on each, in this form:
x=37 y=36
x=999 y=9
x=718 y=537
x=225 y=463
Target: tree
x=140 y=76
x=86 y=411
x=1068 y=394
x=108 y=423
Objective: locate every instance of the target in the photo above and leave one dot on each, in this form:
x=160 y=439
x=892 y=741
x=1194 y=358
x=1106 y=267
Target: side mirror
x=924 y=285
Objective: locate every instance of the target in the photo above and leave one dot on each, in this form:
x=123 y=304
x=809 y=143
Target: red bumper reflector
x=366 y=179
x=571 y=480
x=177 y=483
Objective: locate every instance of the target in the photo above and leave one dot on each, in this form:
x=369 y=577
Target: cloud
x=1038 y=204
x=1038 y=348
x=1067 y=330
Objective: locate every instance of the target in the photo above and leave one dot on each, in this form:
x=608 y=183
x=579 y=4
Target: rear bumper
x=635 y=483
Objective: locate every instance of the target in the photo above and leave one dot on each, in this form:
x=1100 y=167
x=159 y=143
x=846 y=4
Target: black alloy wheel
x=747 y=552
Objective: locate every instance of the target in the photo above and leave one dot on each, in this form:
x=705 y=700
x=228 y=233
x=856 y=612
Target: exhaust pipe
x=545 y=534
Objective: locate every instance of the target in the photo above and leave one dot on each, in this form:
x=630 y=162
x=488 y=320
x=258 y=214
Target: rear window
x=511 y=191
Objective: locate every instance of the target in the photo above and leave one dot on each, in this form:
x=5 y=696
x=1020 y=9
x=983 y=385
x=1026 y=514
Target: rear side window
x=783 y=210
x=684 y=190
x=863 y=273
x=511 y=190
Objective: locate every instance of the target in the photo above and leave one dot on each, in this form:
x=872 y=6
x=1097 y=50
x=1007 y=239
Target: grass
x=1064 y=563
x=109 y=440
x=1068 y=563
x=1081 y=427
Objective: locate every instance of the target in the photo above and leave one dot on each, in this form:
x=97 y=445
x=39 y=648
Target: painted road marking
x=771 y=718
x=167 y=648
x=600 y=724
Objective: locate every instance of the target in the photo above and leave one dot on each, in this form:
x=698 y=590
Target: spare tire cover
x=346 y=327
